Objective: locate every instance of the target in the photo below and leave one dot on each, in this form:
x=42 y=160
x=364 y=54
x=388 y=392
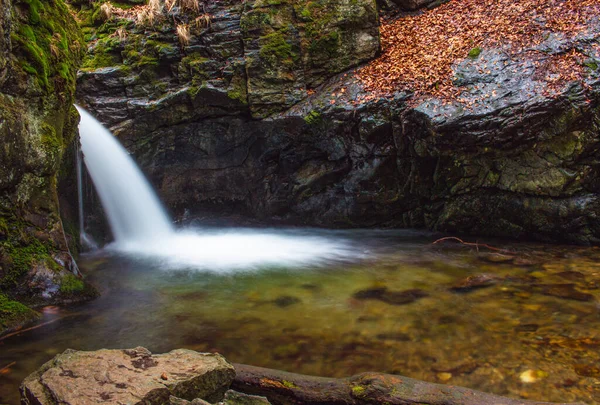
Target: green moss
x=21 y=251
x=238 y=90
x=592 y=64
x=34 y=10
x=254 y=21
x=71 y=284
x=328 y=44
x=313 y=117
x=275 y=49
x=13 y=313
x=358 y=391
x=50 y=141
x=3 y=227
x=48 y=45
x=475 y=52
x=288 y=384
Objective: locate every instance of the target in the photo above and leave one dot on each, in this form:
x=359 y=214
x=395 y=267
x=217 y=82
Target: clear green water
x=541 y=314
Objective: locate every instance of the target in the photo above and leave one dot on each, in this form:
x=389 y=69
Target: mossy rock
x=14 y=314
x=48 y=45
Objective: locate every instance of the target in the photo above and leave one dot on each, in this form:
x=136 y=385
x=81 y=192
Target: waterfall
x=85 y=239
x=143 y=230
x=133 y=209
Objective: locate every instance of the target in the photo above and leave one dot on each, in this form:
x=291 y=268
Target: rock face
x=239 y=130
x=133 y=376
x=40 y=49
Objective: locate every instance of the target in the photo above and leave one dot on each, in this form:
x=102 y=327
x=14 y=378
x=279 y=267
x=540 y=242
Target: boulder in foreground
x=132 y=376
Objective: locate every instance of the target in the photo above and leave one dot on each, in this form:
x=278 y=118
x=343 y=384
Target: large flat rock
x=131 y=376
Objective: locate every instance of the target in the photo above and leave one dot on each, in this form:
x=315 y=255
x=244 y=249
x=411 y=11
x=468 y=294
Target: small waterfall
x=143 y=230
x=85 y=239
x=134 y=212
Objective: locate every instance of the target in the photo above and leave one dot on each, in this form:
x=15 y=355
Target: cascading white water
x=84 y=238
x=134 y=212
x=142 y=228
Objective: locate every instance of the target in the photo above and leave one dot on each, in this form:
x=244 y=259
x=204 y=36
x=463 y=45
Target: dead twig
x=475 y=244
x=7 y=367
x=33 y=327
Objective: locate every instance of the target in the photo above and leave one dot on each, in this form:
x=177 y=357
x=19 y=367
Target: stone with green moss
x=71 y=284
x=475 y=52
x=14 y=314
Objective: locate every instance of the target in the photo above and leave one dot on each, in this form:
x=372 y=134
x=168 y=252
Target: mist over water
x=239 y=249
x=143 y=229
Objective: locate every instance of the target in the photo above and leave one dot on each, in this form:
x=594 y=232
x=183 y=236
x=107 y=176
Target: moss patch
x=49 y=45
x=475 y=52
x=275 y=49
x=21 y=252
x=13 y=313
x=358 y=391
x=313 y=117
x=71 y=284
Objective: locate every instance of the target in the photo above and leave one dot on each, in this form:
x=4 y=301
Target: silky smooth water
x=142 y=227
x=132 y=208
x=542 y=314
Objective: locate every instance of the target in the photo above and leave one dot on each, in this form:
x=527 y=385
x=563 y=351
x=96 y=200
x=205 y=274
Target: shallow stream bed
x=524 y=322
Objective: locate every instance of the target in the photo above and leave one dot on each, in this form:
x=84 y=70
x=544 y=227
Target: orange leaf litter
x=418 y=51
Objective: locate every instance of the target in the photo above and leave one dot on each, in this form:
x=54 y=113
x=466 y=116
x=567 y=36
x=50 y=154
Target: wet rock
x=566 y=291
x=390 y=297
x=572 y=275
x=178 y=401
x=464 y=368
x=370 y=293
x=237 y=398
x=474 y=282
x=413 y=4
x=398 y=337
x=285 y=301
x=520 y=167
x=127 y=376
x=527 y=327
x=38 y=132
x=524 y=262
x=587 y=370
x=495 y=257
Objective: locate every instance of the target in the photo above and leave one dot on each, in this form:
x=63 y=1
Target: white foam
x=142 y=228
x=239 y=249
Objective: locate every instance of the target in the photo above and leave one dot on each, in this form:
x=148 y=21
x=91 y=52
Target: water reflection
x=524 y=323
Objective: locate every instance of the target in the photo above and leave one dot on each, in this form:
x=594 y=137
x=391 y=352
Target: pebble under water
x=524 y=322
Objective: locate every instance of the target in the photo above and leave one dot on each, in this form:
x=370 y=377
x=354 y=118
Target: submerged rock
x=566 y=291
x=133 y=376
x=390 y=297
x=474 y=282
x=286 y=300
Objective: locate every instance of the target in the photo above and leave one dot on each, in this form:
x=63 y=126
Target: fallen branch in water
x=283 y=388
x=32 y=328
x=5 y=369
x=475 y=244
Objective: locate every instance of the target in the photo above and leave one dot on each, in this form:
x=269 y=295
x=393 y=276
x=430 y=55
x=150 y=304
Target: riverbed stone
x=132 y=376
